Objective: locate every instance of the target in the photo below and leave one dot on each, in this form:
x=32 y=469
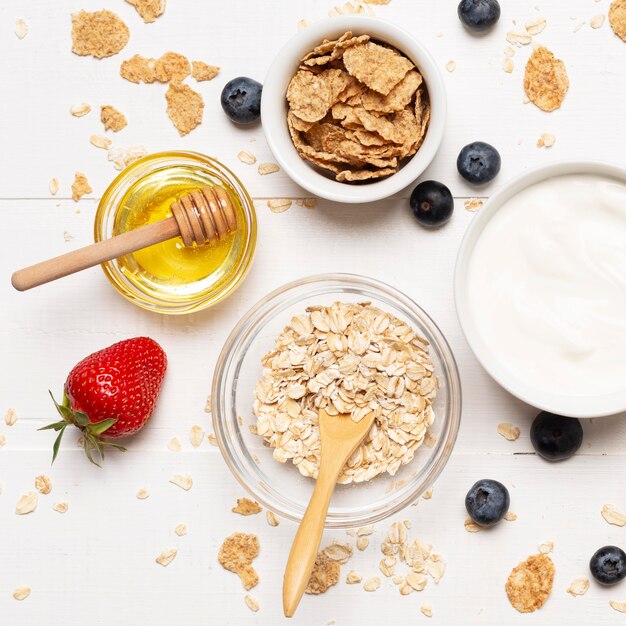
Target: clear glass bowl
x=196 y=170
x=280 y=487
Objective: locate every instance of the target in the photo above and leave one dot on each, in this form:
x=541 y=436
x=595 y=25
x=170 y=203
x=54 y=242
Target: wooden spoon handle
x=307 y=540
x=97 y=253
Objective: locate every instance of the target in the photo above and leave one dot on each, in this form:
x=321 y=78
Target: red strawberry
x=111 y=393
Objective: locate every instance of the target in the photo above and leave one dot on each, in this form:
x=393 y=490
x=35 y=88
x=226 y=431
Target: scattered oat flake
x=272 y=519
x=428 y=494
x=325 y=574
x=207 y=406
x=302 y=24
x=10 y=417
x=100 y=141
x=112 y=119
x=251 y=602
x=546 y=547
x=201 y=71
x=507 y=65
x=536 y=26
x=597 y=21
x=245 y=506
x=122 y=156
x=508 y=431
x=61 y=507
x=339 y=552
x=181 y=530
x=510 y=517
x=362 y=543
x=196 y=435
x=613 y=516
x=530 y=583
x=451 y=66
x=142 y=494
x=473 y=204
x=43 y=484
x=78 y=110
x=166 y=557
x=268 y=168
x=278 y=205
x=53 y=186
x=212 y=439
x=26 y=504
x=184 y=107
x=545 y=80
x=547 y=140
x=578 y=586
x=364 y=531
x=471 y=526
x=509 y=52
x=21 y=28
x=174 y=445
x=100 y=34
x=184 y=481
x=618 y=606
x=309 y=203
x=21 y=593
x=80 y=186
x=519 y=39
x=353 y=578
x=371 y=584
x=579 y=25
x=149 y=10
x=426 y=610
x=246 y=157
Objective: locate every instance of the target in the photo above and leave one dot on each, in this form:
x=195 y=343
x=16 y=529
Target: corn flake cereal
x=236 y=555
x=184 y=107
x=202 y=71
x=545 y=80
x=530 y=583
x=99 y=34
x=325 y=574
x=111 y=118
x=617 y=18
x=149 y=10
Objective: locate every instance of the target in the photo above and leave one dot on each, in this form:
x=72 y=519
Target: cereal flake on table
x=166 y=557
x=473 y=204
x=251 y=602
x=122 y=156
x=148 y=10
x=184 y=107
x=545 y=80
x=426 y=610
x=272 y=519
x=21 y=593
x=202 y=71
x=78 y=110
x=21 y=28
x=173 y=445
x=43 y=484
x=80 y=186
x=353 y=578
x=279 y=205
x=99 y=34
x=324 y=575
x=100 y=141
x=536 y=26
x=196 y=435
x=451 y=66
x=181 y=530
x=10 y=417
x=578 y=586
x=471 y=526
x=372 y=584
x=546 y=547
x=508 y=431
x=61 y=507
x=507 y=65
x=546 y=140
x=613 y=516
x=246 y=157
x=142 y=494
x=340 y=552
x=212 y=439
x=509 y=516
x=236 y=555
x=112 y=119
x=362 y=543
x=184 y=481
x=53 y=186
x=26 y=504
x=530 y=583
x=617 y=18
x=245 y=506
x=268 y=168
x=597 y=21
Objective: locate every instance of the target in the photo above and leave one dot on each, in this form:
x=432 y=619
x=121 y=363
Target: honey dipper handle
x=96 y=253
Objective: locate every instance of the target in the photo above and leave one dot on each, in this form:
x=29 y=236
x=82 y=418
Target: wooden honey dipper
x=199 y=217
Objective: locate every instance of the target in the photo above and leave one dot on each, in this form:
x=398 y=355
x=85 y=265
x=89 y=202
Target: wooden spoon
x=198 y=217
x=340 y=436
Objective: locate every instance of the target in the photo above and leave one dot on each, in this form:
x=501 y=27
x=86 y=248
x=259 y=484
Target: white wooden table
x=96 y=563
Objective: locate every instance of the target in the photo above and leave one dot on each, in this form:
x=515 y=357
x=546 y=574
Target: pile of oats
x=352 y=359
x=357 y=108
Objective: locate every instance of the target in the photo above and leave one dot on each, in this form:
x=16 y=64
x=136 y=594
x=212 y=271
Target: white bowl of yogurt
x=540 y=288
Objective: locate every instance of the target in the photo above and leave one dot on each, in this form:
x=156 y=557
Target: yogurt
x=547 y=285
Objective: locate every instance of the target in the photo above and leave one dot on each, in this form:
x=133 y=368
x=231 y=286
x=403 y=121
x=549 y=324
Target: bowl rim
x=441 y=450
x=273 y=108
x=572 y=406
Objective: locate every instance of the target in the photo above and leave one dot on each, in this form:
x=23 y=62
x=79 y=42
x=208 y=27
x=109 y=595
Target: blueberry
x=432 y=203
x=241 y=100
x=487 y=502
x=478 y=162
x=608 y=565
x=479 y=15
x=555 y=437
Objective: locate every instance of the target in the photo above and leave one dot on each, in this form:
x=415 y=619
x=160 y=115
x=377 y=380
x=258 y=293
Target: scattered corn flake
x=202 y=71
x=578 y=586
x=245 y=506
x=10 y=417
x=61 y=507
x=510 y=517
x=471 y=526
x=597 y=21
x=353 y=578
x=138 y=69
x=148 y=10
x=246 y=157
x=251 y=602
x=426 y=610
x=174 y=445
x=278 y=205
x=617 y=18
x=613 y=516
x=99 y=34
x=545 y=79
x=80 y=186
x=451 y=66
x=78 y=110
x=236 y=555
x=43 y=484
x=546 y=547
x=428 y=494
x=26 y=504
x=166 y=557
x=530 y=583
x=324 y=575
x=519 y=38
x=268 y=168
x=196 y=435
x=142 y=494
x=171 y=66
x=508 y=431
x=508 y=65
x=618 y=606
x=302 y=24
x=371 y=584
x=536 y=26
x=184 y=107
x=509 y=52
x=181 y=530
x=21 y=28
x=212 y=439
x=53 y=186
x=100 y=141
x=21 y=593
x=473 y=204
x=272 y=519
x=112 y=119
x=309 y=203
x=184 y=481
x=547 y=140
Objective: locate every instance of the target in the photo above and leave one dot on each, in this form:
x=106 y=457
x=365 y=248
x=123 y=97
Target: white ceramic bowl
x=573 y=406
x=274 y=108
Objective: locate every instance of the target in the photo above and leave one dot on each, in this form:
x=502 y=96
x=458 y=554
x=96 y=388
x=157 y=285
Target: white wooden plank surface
x=96 y=562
